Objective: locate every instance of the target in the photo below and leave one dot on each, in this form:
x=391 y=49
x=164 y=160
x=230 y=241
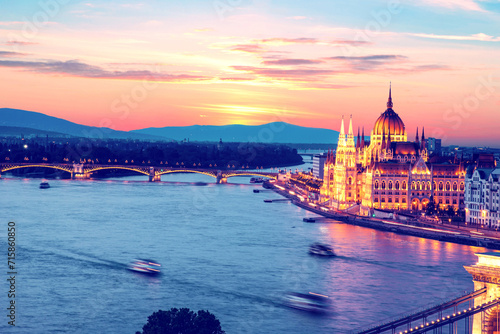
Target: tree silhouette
x=431 y=207
x=182 y=321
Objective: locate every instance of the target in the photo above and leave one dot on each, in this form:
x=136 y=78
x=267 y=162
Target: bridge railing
x=411 y=313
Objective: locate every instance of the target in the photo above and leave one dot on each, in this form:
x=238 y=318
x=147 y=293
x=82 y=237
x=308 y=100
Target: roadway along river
x=222 y=248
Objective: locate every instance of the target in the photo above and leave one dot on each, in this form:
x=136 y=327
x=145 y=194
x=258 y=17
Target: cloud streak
x=5 y=54
x=292 y=62
x=278 y=41
x=469 y=5
x=475 y=37
x=282 y=73
x=368 y=63
x=248 y=48
x=76 y=68
x=16 y=43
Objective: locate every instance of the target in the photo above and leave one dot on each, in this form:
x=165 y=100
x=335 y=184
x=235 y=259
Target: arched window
x=404 y=185
x=455 y=186
x=419 y=186
x=435 y=186
x=350 y=180
x=397 y=185
x=440 y=185
x=413 y=186
x=448 y=186
x=461 y=186
x=390 y=185
x=429 y=185
x=383 y=184
x=376 y=184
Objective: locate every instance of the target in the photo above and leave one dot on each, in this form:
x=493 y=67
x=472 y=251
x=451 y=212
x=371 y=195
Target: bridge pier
x=153 y=177
x=78 y=176
x=221 y=178
x=79 y=173
x=486 y=273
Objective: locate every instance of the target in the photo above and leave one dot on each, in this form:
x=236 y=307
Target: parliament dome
x=389 y=122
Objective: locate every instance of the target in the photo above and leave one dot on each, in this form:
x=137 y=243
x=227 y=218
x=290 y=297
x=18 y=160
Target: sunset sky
x=130 y=65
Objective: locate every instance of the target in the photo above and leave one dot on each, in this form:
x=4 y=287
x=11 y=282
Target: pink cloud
x=287 y=62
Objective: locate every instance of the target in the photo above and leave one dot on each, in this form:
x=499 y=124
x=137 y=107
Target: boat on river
x=256 y=180
x=44 y=185
x=321 y=250
x=145 y=266
x=310 y=302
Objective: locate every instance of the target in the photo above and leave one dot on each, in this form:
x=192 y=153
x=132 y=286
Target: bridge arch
x=13 y=167
x=249 y=174
x=138 y=170
x=171 y=171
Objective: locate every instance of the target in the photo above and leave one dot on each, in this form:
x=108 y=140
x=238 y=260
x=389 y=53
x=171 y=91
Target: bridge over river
x=154 y=173
x=477 y=312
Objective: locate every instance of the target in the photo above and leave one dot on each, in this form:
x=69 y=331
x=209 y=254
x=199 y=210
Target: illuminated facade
x=388 y=172
x=482 y=194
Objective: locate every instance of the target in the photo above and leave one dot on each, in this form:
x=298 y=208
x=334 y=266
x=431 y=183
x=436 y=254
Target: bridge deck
x=455 y=317
x=423 y=314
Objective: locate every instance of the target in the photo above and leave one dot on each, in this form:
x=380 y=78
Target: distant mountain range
x=34 y=123
x=277 y=132
x=17 y=122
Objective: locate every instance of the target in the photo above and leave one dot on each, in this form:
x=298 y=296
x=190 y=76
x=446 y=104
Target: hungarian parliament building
x=389 y=171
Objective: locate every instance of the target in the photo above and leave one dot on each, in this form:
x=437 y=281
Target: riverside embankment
x=465 y=236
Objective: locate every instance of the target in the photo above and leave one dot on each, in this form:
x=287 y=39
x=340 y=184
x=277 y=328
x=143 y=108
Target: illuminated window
x=413 y=186
x=397 y=185
x=404 y=185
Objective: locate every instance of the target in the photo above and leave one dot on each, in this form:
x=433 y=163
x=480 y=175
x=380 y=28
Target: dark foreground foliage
x=182 y=321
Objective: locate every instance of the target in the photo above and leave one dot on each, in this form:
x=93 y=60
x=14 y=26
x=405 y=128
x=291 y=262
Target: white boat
x=310 y=302
x=145 y=266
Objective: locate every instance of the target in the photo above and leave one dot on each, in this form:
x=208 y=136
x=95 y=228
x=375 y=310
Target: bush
x=182 y=321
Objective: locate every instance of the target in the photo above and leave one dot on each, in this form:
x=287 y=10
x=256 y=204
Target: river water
x=222 y=249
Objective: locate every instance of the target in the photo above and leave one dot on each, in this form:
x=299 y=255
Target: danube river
x=222 y=249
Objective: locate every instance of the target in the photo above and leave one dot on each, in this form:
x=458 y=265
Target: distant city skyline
x=132 y=65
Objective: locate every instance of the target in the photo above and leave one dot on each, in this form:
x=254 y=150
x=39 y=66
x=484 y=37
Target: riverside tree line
x=135 y=152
